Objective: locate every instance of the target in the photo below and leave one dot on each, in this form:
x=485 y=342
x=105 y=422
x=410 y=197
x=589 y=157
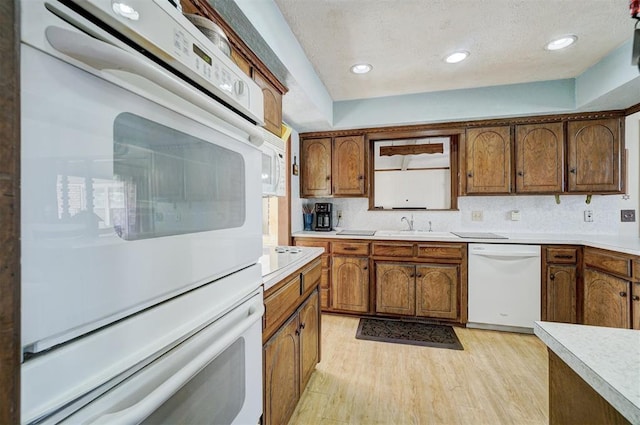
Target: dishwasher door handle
x=503 y=254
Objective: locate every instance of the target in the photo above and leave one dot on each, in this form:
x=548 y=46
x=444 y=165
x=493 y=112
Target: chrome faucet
x=409 y=222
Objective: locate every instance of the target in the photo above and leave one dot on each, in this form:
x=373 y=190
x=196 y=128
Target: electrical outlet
x=476 y=215
x=339 y=214
x=627 y=216
x=515 y=215
x=588 y=216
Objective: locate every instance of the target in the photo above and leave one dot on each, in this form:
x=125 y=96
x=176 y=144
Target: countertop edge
x=609 y=242
x=622 y=404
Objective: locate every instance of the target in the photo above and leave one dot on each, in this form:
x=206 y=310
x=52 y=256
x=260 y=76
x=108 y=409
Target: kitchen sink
x=417 y=233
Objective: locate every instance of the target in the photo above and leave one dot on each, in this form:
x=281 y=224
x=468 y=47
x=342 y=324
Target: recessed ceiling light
x=457 y=57
x=361 y=68
x=562 y=42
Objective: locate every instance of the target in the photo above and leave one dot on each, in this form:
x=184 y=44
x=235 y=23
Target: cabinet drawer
x=311 y=276
x=393 y=250
x=562 y=255
x=607 y=261
x=350 y=248
x=636 y=270
x=440 y=251
x=281 y=304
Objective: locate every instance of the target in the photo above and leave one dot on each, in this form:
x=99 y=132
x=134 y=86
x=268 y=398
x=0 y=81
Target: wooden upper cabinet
x=272 y=104
x=539 y=158
x=349 y=166
x=488 y=160
x=315 y=160
x=241 y=61
x=594 y=156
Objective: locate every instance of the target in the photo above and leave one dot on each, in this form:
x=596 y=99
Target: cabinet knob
x=623 y=294
x=360 y=177
x=302 y=325
x=552 y=276
x=365 y=268
x=418 y=275
x=328 y=178
x=469 y=174
x=572 y=171
x=636 y=298
x=520 y=173
x=297 y=332
x=412 y=275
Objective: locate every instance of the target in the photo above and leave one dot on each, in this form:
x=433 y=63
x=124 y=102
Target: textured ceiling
x=406 y=41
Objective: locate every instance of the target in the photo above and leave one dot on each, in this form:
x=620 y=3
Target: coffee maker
x=323 y=216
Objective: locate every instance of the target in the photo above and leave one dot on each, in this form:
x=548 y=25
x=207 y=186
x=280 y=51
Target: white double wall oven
x=141 y=219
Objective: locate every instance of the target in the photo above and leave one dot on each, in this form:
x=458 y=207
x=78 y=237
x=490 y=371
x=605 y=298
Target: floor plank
x=499 y=378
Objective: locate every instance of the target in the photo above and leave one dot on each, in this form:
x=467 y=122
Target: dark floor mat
x=413 y=333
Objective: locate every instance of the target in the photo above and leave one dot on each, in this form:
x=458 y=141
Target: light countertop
x=608 y=359
x=628 y=245
x=279 y=262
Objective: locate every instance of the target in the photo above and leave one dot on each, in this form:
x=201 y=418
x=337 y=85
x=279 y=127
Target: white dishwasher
x=504 y=286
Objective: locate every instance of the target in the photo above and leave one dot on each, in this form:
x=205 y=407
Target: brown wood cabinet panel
x=636 y=270
x=606 y=300
x=573 y=401
x=350 y=284
x=315 y=165
x=635 y=305
x=392 y=249
x=607 y=261
x=561 y=287
x=349 y=158
x=311 y=276
x=562 y=255
x=594 y=155
x=539 y=158
x=243 y=64
x=279 y=305
x=282 y=374
x=272 y=103
x=454 y=251
x=395 y=288
x=488 y=160
x=309 y=338
x=350 y=248
x=437 y=291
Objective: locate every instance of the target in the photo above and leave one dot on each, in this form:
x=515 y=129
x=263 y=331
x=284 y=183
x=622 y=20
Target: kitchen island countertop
x=620 y=243
x=605 y=358
x=279 y=262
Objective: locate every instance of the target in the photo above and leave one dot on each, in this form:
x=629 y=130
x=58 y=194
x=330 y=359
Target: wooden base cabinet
x=607 y=288
x=421 y=290
x=291 y=341
x=350 y=283
x=560 y=283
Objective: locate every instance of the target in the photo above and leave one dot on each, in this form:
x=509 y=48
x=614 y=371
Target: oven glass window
x=172 y=183
x=215 y=396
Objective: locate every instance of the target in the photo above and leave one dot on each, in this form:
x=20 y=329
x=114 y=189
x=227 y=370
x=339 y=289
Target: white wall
x=539 y=214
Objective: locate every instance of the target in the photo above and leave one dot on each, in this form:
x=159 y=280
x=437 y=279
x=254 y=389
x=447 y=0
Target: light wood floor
x=499 y=378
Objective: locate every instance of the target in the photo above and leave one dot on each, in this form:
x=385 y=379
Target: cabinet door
x=437 y=291
x=315 y=163
x=282 y=374
x=309 y=338
x=272 y=104
x=350 y=284
x=395 y=288
x=539 y=158
x=561 y=293
x=349 y=166
x=635 y=305
x=606 y=300
x=488 y=160
x=594 y=155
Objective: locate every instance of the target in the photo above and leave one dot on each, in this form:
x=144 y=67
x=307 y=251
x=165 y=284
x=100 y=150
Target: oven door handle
x=139 y=411
x=102 y=56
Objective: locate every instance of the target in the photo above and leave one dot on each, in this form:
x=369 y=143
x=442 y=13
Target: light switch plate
x=627 y=216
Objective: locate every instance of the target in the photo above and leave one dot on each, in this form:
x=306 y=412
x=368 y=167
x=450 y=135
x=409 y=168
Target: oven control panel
x=162 y=30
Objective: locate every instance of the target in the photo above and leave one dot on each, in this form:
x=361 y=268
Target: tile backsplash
x=538 y=214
